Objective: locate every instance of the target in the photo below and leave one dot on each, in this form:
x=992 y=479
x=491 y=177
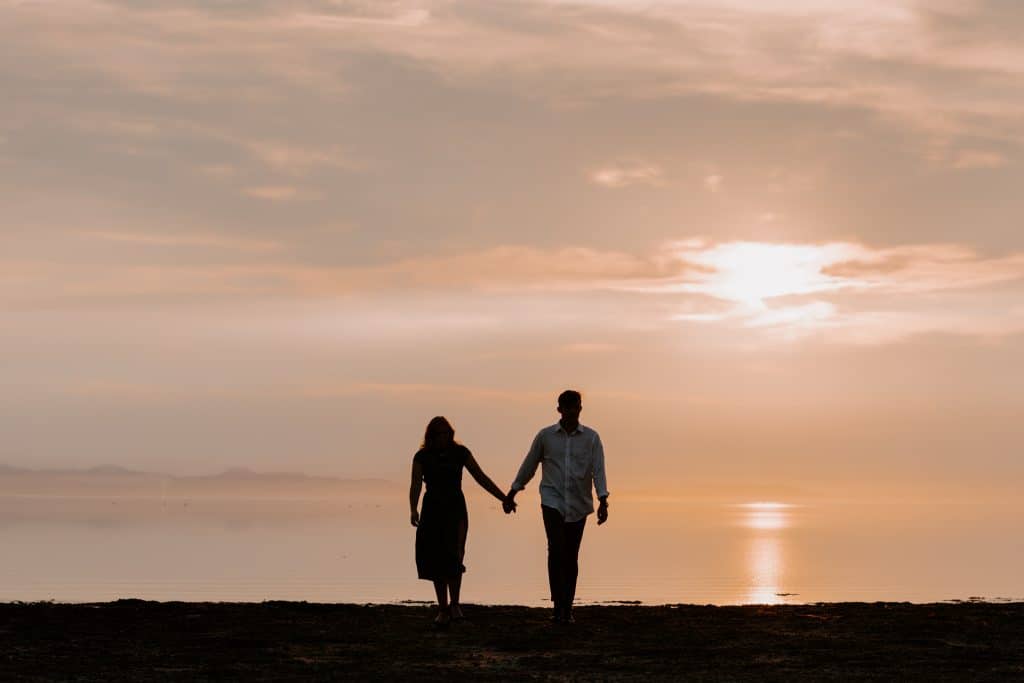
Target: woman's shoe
x=456 y=611
x=443 y=618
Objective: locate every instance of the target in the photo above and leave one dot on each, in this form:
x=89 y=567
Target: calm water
x=361 y=551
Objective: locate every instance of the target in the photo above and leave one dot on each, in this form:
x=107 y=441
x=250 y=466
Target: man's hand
x=602 y=512
x=414 y=518
x=509 y=504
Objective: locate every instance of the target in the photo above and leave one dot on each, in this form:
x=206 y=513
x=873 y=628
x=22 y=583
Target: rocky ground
x=138 y=641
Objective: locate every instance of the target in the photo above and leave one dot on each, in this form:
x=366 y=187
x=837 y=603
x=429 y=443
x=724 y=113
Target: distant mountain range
x=104 y=480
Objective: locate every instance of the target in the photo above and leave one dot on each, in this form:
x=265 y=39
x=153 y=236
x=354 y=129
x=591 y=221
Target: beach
x=138 y=640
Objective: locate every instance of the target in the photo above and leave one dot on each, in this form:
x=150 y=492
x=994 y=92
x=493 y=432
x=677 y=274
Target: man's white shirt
x=572 y=464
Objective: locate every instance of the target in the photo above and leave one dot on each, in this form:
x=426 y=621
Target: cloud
x=979 y=159
x=78 y=284
x=280 y=193
x=219 y=171
x=513 y=268
x=401 y=19
x=135 y=391
x=846 y=290
x=296 y=159
x=174 y=388
x=500 y=269
x=826 y=54
x=924 y=268
x=184 y=240
x=279 y=106
x=713 y=182
x=448 y=391
x=623 y=175
x=748 y=273
x=807 y=314
x=793 y=290
x=951 y=69
x=590 y=347
x=753 y=272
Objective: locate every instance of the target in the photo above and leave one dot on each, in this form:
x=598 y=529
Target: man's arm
x=526 y=471
x=600 y=480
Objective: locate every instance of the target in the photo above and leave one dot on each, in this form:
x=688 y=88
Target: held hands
x=509 y=503
x=414 y=518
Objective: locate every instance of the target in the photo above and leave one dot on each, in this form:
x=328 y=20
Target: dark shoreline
x=137 y=640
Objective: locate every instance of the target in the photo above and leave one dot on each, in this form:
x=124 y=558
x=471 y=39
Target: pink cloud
x=624 y=175
x=184 y=240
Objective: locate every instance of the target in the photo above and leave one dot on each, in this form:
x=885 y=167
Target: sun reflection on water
x=765 y=563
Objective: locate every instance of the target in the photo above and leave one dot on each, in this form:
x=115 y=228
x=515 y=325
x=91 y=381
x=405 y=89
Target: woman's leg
x=455 y=587
x=441 y=590
x=455 y=584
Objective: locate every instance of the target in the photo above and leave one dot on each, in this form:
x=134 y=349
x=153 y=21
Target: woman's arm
x=414 y=492
x=482 y=479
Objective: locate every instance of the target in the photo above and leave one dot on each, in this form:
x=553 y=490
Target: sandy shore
x=134 y=640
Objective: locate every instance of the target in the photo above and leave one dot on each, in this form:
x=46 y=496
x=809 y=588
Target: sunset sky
x=777 y=244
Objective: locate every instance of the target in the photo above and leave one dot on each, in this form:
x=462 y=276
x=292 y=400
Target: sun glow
x=766 y=516
x=750 y=272
x=788 y=290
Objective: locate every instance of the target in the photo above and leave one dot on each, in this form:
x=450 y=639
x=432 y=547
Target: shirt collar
x=579 y=428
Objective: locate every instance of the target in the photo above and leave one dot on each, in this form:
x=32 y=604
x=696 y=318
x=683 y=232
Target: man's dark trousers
x=563 y=555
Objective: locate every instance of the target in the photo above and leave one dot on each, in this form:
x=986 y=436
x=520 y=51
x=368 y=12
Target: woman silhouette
x=442 y=524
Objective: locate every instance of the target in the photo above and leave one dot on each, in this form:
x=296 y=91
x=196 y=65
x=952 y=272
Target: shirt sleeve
x=529 y=466
x=600 y=477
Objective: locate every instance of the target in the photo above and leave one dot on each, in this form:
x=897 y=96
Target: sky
x=776 y=244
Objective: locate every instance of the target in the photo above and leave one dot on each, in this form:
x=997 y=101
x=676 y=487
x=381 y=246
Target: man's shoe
x=567 y=617
x=557 y=617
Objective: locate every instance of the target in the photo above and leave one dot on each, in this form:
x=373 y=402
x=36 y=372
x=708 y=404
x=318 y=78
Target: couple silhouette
x=571 y=458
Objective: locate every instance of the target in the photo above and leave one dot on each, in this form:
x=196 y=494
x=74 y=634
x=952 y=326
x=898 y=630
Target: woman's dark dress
x=441 y=534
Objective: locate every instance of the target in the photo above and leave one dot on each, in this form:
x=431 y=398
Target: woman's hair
x=439 y=433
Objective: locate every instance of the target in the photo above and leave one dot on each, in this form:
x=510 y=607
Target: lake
x=652 y=551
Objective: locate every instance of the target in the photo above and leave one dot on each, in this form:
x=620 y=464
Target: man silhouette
x=572 y=463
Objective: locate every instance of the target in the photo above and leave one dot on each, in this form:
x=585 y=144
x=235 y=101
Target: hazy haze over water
x=362 y=551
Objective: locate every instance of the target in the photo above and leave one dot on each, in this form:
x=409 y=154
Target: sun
x=748 y=273
x=766 y=516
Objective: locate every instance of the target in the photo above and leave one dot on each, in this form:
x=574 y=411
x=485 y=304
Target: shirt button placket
x=565 y=485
